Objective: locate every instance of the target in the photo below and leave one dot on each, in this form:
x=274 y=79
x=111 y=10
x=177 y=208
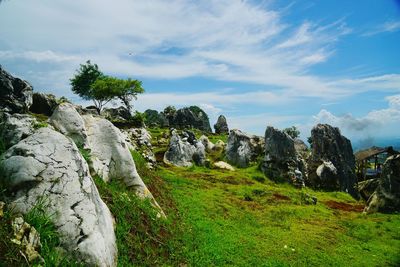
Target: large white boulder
x=47 y=167
x=67 y=121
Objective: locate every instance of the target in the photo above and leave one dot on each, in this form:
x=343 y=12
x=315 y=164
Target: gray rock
x=180 y=151
x=367 y=188
x=282 y=162
x=15 y=94
x=243 y=149
x=15 y=127
x=386 y=197
x=221 y=127
x=47 y=168
x=140 y=139
x=155 y=119
x=191 y=117
x=119 y=114
x=199 y=155
x=206 y=143
x=69 y=122
x=43 y=104
x=328 y=145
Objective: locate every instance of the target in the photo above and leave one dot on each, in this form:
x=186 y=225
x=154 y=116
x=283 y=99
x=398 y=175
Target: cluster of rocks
x=243 y=149
x=185 y=118
x=184 y=149
x=140 y=139
x=43 y=163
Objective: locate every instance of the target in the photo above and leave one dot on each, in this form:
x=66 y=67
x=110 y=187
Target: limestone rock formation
x=47 y=168
x=221 y=127
x=15 y=94
x=43 y=104
x=180 y=151
x=282 y=162
x=328 y=145
x=69 y=122
x=120 y=114
x=140 y=139
x=386 y=197
x=209 y=146
x=367 y=188
x=223 y=166
x=242 y=149
x=155 y=119
x=15 y=127
x=191 y=117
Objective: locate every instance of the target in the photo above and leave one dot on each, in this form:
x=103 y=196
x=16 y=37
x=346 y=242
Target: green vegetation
x=292 y=132
x=91 y=84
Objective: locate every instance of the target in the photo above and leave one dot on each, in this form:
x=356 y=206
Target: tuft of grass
x=40 y=124
x=85 y=154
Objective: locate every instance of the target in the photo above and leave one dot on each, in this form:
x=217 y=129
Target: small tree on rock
x=292 y=132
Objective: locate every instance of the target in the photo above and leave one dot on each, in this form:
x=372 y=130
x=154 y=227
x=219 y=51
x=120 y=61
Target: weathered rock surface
x=140 y=139
x=121 y=113
x=180 y=151
x=221 y=127
x=242 y=149
x=43 y=104
x=208 y=145
x=282 y=162
x=110 y=155
x=328 y=145
x=386 y=197
x=223 y=165
x=47 y=167
x=69 y=122
x=15 y=127
x=367 y=188
x=15 y=94
x=155 y=119
x=191 y=117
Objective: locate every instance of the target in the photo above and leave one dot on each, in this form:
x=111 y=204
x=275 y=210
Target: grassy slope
x=233 y=219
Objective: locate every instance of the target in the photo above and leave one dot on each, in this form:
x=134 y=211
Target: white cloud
x=389 y=26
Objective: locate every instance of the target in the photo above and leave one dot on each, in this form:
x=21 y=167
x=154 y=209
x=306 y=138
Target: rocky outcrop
x=69 y=122
x=282 y=162
x=183 y=150
x=47 y=168
x=191 y=117
x=155 y=119
x=209 y=146
x=367 y=188
x=331 y=151
x=15 y=127
x=116 y=114
x=386 y=197
x=110 y=155
x=15 y=94
x=243 y=149
x=221 y=127
x=140 y=139
x=43 y=104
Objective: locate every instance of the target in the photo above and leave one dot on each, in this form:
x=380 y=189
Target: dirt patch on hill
x=280 y=197
x=344 y=206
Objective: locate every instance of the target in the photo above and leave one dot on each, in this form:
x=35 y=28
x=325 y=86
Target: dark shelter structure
x=369 y=161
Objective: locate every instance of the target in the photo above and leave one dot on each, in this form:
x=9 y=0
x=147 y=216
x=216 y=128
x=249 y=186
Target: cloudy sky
x=260 y=63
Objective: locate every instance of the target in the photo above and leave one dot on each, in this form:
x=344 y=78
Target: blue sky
x=260 y=63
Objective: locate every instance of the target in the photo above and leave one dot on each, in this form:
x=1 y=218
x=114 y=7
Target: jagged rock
x=386 y=197
x=47 y=168
x=219 y=146
x=282 y=162
x=140 y=139
x=43 y=104
x=110 y=155
x=15 y=94
x=242 y=149
x=155 y=119
x=367 y=188
x=199 y=155
x=15 y=127
x=206 y=143
x=67 y=121
x=328 y=145
x=28 y=239
x=191 y=117
x=223 y=165
x=221 y=127
x=180 y=151
x=121 y=113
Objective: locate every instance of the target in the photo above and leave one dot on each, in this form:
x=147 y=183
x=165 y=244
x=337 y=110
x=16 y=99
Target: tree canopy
x=91 y=84
x=292 y=132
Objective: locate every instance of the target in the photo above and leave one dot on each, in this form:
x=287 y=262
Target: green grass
x=234 y=219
